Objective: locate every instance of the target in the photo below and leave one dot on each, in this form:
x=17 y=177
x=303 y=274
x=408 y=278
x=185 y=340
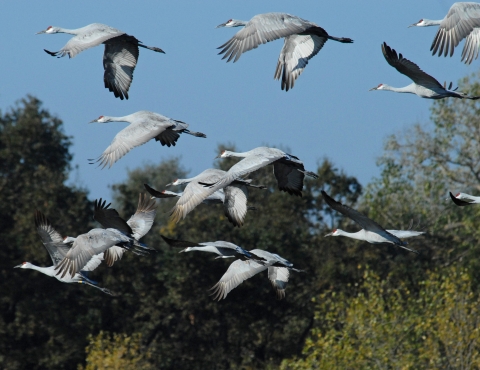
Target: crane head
x=49 y=29
x=232 y=23
x=101 y=119
x=421 y=23
x=176 y=182
x=379 y=87
x=335 y=232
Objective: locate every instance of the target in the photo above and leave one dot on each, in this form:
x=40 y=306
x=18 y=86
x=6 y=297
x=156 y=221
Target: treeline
x=163 y=316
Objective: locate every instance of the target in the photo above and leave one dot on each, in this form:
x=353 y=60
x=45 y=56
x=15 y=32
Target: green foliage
x=419 y=167
x=116 y=352
x=385 y=325
x=165 y=296
x=38 y=314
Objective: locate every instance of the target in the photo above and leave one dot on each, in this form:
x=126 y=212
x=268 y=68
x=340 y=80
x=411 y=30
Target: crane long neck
x=430 y=22
x=359 y=235
x=44 y=270
x=410 y=89
x=66 y=30
x=237 y=154
x=117 y=119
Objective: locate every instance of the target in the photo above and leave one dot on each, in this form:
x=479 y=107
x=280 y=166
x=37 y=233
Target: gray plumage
x=119 y=58
x=241 y=270
x=424 y=85
x=116 y=234
x=143 y=126
x=303 y=40
x=57 y=250
x=461 y=22
x=222 y=248
x=139 y=224
x=288 y=169
x=86 y=246
x=234 y=195
x=371 y=231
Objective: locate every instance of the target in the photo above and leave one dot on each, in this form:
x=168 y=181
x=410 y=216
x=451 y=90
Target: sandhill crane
x=117 y=234
x=54 y=243
x=222 y=248
x=371 y=232
x=137 y=225
x=424 y=85
x=462 y=21
x=303 y=40
x=252 y=262
x=241 y=270
x=119 y=58
x=288 y=169
x=235 y=193
x=462 y=199
x=144 y=126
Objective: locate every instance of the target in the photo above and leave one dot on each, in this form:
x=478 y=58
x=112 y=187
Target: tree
x=37 y=319
x=165 y=296
x=385 y=325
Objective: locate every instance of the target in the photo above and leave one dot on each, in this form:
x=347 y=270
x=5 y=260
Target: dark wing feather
x=288 y=176
x=178 y=243
x=109 y=217
x=408 y=68
x=119 y=61
x=51 y=239
x=365 y=222
x=296 y=52
x=168 y=137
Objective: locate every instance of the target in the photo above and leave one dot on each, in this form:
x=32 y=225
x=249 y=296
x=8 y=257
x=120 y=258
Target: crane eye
x=229 y=21
x=456 y=196
x=49 y=27
x=100 y=117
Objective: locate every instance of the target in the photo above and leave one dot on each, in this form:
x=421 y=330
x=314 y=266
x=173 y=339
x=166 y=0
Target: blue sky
x=329 y=113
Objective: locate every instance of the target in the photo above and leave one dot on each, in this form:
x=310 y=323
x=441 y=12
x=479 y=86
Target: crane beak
x=40 y=32
x=183 y=250
x=412 y=25
x=329 y=234
x=222 y=25
x=17 y=266
x=373 y=88
x=95 y=120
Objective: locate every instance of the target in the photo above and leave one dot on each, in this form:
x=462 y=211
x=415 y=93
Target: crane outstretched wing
x=408 y=68
x=109 y=217
x=119 y=60
x=261 y=29
x=235 y=205
x=130 y=137
x=51 y=239
x=460 y=21
x=193 y=194
x=237 y=273
x=142 y=221
x=278 y=276
x=365 y=222
x=294 y=56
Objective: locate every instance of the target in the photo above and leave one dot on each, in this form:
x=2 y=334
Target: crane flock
x=73 y=257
